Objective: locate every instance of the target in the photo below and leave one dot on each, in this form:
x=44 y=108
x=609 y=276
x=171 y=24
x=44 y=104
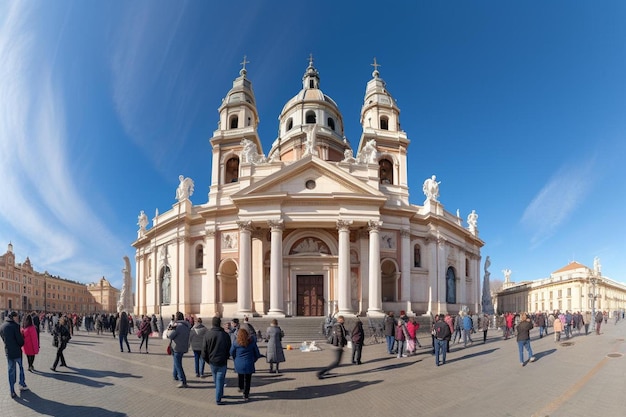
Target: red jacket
x=31 y=342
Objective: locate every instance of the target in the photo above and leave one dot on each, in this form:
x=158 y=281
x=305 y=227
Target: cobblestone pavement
x=582 y=376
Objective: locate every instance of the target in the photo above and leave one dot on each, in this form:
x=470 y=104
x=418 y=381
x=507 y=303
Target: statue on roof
x=185 y=188
x=431 y=188
x=368 y=154
x=250 y=153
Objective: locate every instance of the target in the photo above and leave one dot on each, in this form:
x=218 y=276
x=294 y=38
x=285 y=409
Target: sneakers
x=13 y=394
x=182 y=385
x=533 y=359
x=23 y=388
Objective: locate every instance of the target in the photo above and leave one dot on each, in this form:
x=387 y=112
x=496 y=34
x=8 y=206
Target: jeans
x=124 y=338
x=12 y=377
x=401 y=344
x=144 y=338
x=466 y=337
x=198 y=362
x=219 y=377
x=244 y=384
x=356 y=352
x=178 y=371
x=441 y=346
x=390 y=341
x=521 y=344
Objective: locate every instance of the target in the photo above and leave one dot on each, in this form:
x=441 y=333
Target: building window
x=331 y=123
x=385 y=171
x=384 y=123
x=569 y=292
x=467 y=267
x=417 y=256
x=232 y=170
x=234 y=122
x=199 y=257
x=289 y=124
x=310 y=117
x=450 y=286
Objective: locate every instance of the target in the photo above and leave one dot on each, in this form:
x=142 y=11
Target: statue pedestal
x=433 y=206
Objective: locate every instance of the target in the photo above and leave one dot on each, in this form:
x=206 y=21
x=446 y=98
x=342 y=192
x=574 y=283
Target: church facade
x=311 y=229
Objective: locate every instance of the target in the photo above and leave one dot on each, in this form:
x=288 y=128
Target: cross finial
x=310 y=59
x=376 y=65
x=244 y=62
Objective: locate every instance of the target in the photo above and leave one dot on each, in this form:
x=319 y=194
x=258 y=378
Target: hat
x=236 y=321
x=216 y=322
x=13 y=314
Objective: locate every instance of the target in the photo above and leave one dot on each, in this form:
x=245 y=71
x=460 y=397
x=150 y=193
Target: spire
x=243 y=71
x=311 y=78
x=375 y=74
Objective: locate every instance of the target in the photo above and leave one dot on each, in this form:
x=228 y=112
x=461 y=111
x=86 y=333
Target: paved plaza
x=583 y=376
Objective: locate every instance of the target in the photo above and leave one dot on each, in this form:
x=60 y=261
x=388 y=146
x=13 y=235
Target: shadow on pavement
x=313 y=391
x=450 y=359
x=95 y=373
x=539 y=355
x=53 y=408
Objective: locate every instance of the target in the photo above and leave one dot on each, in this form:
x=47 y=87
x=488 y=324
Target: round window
x=310 y=184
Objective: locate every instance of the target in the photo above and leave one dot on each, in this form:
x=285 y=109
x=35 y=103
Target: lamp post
x=592 y=296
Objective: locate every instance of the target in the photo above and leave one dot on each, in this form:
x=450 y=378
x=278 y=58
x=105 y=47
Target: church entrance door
x=310 y=295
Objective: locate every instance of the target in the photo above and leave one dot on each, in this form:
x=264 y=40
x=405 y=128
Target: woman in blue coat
x=245 y=353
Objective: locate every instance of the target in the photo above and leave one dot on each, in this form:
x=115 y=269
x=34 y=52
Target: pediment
x=310 y=176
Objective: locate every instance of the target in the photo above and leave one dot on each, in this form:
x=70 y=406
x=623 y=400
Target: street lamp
x=592 y=296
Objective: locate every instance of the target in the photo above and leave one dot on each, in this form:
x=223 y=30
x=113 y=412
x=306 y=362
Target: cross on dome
x=375 y=65
x=243 y=64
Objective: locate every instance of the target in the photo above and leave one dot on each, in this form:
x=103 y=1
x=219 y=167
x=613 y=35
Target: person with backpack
x=441 y=337
x=196 y=339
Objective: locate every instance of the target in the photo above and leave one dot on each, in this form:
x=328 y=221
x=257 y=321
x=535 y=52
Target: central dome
x=310 y=116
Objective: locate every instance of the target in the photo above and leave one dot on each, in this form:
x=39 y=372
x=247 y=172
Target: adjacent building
x=24 y=289
x=575 y=287
x=315 y=227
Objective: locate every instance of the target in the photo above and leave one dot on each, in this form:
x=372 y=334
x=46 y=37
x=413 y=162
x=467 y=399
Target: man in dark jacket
x=339 y=341
x=215 y=351
x=442 y=334
x=13 y=342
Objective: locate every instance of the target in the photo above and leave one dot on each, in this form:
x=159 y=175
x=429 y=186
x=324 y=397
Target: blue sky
x=518 y=108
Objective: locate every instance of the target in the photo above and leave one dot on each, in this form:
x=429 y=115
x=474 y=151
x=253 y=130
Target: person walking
x=215 y=351
x=358 y=337
x=483 y=324
x=145 y=328
x=179 y=340
x=196 y=339
x=245 y=353
x=441 y=334
x=274 y=354
x=339 y=341
x=523 y=338
x=401 y=337
x=13 y=342
x=31 y=341
x=599 y=318
x=122 y=331
x=62 y=336
x=467 y=329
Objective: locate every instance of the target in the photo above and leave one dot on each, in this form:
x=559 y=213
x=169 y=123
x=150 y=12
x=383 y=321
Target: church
x=313 y=227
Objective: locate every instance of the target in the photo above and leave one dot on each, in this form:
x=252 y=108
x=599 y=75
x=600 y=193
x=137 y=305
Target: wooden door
x=310 y=295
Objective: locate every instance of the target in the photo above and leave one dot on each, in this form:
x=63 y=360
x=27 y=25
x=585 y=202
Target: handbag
x=55 y=341
x=169 y=349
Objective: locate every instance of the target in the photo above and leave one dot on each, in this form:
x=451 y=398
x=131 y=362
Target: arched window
x=289 y=124
x=450 y=286
x=385 y=171
x=384 y=122
x=331 y=123
x=231 y=173
x=310 y=117
x=417 y=256
x=234 y=122
x=200 y=257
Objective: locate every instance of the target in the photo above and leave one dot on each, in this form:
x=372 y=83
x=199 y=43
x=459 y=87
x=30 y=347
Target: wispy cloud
x=44 y=210
x=557 y=200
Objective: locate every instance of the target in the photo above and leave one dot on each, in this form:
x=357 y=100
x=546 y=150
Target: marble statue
x=369 y=154
x=126 y=297
x=472 y=221
x=185 y=188
x=165 y=287
x=431 y=188
x=250 y=153
x=507 y=275
x=486 y=299
x=597 y=268
x=347 y=156
x=142 y=222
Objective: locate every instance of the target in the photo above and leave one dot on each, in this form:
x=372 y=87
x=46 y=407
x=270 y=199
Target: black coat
x=216 y=346
x=13 y=339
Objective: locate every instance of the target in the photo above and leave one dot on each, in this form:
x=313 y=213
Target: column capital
x=245 y=225
x=209 y=232
x=405 y=233
x=373 y=225
x=276 y=225
x=344 y=225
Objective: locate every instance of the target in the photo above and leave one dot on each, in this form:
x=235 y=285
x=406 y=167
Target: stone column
x=276 y=268
x=406 y=269
x=207 y=299
x=345 y=304
x=375 y=284
x=244 y=293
